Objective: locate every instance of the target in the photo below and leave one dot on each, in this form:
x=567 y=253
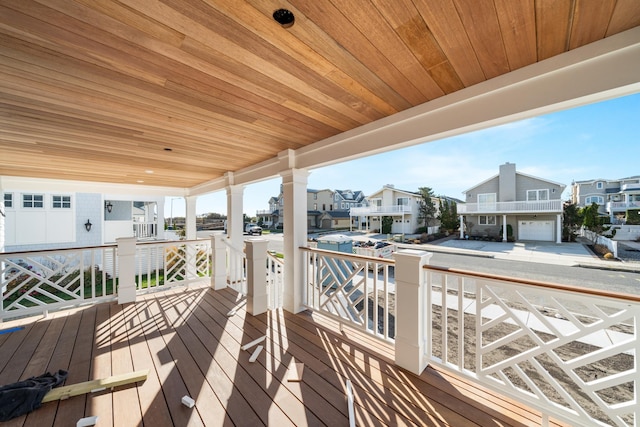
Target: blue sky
x=595 y=141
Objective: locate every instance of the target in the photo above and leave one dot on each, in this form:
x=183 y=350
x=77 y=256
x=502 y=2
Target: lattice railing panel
x=354 y=289
x=38 y=280
x=569 y=353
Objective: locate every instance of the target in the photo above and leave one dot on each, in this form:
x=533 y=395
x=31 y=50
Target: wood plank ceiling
x=189 y=89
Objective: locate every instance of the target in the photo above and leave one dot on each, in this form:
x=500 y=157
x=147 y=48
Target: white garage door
x=536 y=230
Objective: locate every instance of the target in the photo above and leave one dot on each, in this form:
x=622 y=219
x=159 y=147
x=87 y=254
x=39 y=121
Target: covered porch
x=192 y=347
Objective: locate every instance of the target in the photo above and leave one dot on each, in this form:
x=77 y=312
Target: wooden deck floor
x=191 y=347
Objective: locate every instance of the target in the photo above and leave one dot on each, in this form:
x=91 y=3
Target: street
x=614 y=281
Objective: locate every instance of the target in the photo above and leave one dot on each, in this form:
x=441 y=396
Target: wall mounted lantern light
x=88 y=225
x=108 y=206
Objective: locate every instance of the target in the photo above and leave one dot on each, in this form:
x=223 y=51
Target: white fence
x=37 y=281
x=33 y=282
x=612 y=245
x=572 y=354
x=353 y=289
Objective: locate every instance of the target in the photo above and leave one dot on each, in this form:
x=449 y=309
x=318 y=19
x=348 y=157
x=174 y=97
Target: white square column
x=234 y=213
x=411 y=306
x=190 y=218
x=126 y=269
x=257 y=298
x=294 y=190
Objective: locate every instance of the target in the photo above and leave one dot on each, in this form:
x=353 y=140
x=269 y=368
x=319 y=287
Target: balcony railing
x=622 y=206
x=629 y=187
x=554 y=206
x=380 y=210
x=39 y=281
x=143 y=230
x=354 y=289
x=572 y=353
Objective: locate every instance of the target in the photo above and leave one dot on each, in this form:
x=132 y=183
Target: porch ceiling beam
x=596 y=72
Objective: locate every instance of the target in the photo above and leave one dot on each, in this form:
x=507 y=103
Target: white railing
x=573 y=354
x=275 y=280
x=380 y=210
x=37 y=281
x=631 y=186
x=161 y=265
x=145 y=229
x=236 y=268
x=354 y=289
x=507 y=207
x=620 y=206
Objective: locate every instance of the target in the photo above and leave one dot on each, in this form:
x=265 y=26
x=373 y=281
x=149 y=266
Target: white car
x=252 y=229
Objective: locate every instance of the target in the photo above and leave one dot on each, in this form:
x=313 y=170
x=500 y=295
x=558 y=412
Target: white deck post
x=294 y=188
x=234 y=220
x=219 y=260
x=504 y=228
x=559 y=228
x=461 y=227
x=190 y=218
x=257 y=299
x=411 y=289
x=126 y=269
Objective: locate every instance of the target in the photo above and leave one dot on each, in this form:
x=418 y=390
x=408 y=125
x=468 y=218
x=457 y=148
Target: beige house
x=531 y=206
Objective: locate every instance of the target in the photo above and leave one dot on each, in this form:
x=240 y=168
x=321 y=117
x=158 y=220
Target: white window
x=32 y=201
x=315 y=206
x=8 y=200
x=402 y=201
x=487 y=220
x=594 y=199
x=599 y=185
x=61 y=202
x=342 y=206
x=487 y=201
x=534 y=195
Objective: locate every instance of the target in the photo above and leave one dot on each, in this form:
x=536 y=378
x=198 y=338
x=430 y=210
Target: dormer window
x=599 y=185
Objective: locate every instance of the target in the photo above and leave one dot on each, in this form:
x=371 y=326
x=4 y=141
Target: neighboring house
x=36 y=220
x=326 y=209
x=531 y=206
x=614 y=197
x=403 y=206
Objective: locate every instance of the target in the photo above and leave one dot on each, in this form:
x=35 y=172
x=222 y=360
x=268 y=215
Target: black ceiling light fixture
x=284 y=17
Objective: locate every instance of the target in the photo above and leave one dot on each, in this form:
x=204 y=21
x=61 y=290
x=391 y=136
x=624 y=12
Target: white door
x=536 y=230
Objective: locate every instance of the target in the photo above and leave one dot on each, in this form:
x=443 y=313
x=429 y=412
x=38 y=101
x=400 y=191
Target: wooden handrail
x=539 y=284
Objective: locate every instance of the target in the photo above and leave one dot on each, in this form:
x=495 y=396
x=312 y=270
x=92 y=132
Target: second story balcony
x=622 y=206
x=380 y=210
x=540 y=206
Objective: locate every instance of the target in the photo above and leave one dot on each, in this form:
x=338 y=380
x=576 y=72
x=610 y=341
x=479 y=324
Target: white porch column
x=257 y=299
x=294 y=190
x=461 y=226
x=504 y=228
x=190 y=217
x=559 y=228
x=160 y=219
x=411 y=306
x=234 y=213
x=126 y=269
x=219 y=260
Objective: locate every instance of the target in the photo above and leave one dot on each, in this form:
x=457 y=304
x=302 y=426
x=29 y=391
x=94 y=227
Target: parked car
x=253 y=229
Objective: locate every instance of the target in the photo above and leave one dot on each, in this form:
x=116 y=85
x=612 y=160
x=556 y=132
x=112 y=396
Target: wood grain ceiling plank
x=132 y=90
x=346 y=68
x=553 y=22
x=480 y=19
x=129 y=17
x=411 y=28
x=163 y=81
x=288 y=52
x=326 y=16
x=442 y=18
x=111 y=109
x=200 y=25
x=372 y=23
x=590 y=21
x=325 y=117
x=518 y=27
x=626 y=15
